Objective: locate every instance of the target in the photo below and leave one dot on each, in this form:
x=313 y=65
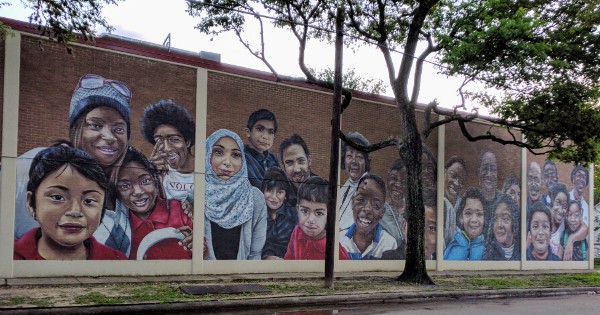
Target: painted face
x=296 y=163
x=559 y=207
x=397 y=188
x=580 y=182
x=515 y=193
x=430 y=232
x=574 y=217
x=488 y=173
x=534 y=183
x=136 y=189
x=355 y=163
x=261 y=136
x=503 y=225
x=455 y=180
x=540 y=232
x=367 y=206
x=175 y=146
x=550 y=175
x=427 y=169
x=472 y=218
x=104 y=135
x=274 y=197
x=312 y=217
x=68 y=208
x=226 y=158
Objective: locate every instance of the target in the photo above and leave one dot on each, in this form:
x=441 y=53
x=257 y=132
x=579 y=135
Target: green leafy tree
x=353 y=81
x=65 y=20
x=543 y=56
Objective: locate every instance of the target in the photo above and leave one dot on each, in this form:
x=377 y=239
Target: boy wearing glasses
x=365 y=239
x=170 y=128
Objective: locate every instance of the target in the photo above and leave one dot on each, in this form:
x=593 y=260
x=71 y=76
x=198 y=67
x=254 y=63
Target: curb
x=343 y=300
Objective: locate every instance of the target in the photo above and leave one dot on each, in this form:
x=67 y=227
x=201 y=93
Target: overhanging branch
x=373 y=147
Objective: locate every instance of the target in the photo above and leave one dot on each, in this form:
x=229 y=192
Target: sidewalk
x=297 y=300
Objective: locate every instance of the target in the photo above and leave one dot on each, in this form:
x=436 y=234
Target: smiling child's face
x=540 y=232
x=472 y=217
x=274 y=197
x=574 y=217
x=226 y=158
x=367 y=206
x=68 y=207
x=312 y=217
x=104 y=135
x=136 y=189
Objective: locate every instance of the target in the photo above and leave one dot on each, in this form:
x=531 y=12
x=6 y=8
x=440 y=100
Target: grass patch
x=169 y=292
x=519 y=282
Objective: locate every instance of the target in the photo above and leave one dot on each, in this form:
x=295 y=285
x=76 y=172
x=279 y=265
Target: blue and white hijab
x=229 y=203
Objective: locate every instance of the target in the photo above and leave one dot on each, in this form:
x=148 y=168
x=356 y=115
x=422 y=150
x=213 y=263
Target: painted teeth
x=140 y=202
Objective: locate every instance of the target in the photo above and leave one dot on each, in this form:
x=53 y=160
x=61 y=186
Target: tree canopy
x=543 y=56
x=65 y=20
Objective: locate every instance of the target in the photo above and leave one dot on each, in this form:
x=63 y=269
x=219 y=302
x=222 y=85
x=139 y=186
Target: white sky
x=153 y=20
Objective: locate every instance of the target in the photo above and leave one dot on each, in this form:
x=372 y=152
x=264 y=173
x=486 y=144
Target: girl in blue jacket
x=468 y=242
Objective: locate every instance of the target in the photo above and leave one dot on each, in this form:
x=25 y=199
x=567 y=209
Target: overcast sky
x=153 y=20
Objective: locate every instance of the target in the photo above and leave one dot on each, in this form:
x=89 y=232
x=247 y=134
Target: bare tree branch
x=373 y=147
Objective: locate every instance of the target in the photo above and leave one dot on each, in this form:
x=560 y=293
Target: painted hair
x=53 y=158
x=261 y=114
x=430 y=198
x=578 y=168
x=167 y=112
x=358 y=138
x=456 y=159
x=516 y=225
x=427 y=151
x=510 y=181
x=314 y=189
x=554 y=189
x=293 y=139
x=574 y=202
x=378 y=180
x=538 y=206
x=397 y=165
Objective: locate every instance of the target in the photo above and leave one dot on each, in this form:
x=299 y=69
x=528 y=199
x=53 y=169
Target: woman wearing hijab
x=235 y=211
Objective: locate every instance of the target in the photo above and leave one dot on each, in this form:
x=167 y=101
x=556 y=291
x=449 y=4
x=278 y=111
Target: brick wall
x=49 y=75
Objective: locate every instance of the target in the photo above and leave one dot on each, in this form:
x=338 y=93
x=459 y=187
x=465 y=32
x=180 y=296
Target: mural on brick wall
x=482 y=197
x=557 y=213
x=96 y=196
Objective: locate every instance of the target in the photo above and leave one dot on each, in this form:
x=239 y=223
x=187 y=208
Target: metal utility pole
x=335 y=150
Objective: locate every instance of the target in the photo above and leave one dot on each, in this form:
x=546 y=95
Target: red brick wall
x=49 y=76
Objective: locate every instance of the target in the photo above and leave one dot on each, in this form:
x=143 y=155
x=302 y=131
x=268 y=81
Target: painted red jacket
x=26 y=248
x=161 y=217
x=304 y=247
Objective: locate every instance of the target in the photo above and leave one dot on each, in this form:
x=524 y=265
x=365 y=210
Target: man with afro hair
x=170 y=128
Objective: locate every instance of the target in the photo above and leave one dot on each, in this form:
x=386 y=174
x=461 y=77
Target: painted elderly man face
x=550 y=175
x=534 y=182
x=488 y=175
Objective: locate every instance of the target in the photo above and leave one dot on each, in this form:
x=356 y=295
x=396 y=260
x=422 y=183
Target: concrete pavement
x=412 y=295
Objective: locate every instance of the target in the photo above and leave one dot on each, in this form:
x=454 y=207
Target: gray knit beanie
x=104 y=93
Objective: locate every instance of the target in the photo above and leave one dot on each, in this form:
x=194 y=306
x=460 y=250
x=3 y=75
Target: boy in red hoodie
x=308 y=238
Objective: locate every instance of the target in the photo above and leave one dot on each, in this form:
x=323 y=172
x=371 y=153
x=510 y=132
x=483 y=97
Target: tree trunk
x=414 y=269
